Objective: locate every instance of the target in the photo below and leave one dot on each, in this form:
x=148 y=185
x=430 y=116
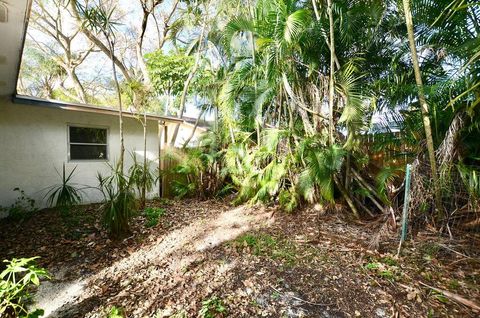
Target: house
x=38 y=136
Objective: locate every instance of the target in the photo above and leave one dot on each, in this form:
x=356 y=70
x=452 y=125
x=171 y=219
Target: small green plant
x=119 y=202
x=22 y=208
x=385 y=268
x=142 y=177
x=153 y=215
x=266 y=245
x=454 y=284
x=16 y=282
x=115 y=312
x=65 y=194
x=213 y=307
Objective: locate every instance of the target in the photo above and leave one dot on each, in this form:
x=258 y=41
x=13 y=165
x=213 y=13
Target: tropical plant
x=65 y=194
x=141 y=177
x=119 y=202
x=16 y=282
x=100 y=18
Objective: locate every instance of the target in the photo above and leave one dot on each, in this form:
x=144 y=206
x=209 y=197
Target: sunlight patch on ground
x=182 y=247
x=52 y=296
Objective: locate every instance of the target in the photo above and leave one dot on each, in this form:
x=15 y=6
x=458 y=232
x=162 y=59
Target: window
x=86 y=143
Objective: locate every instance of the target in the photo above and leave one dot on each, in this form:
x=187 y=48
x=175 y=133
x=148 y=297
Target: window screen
x=87 y=143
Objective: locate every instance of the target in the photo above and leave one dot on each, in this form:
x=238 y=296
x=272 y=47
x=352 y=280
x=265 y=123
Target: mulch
x=311 y=266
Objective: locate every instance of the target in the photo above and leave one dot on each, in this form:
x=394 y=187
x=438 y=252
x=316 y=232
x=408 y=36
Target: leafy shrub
x=22 y=208
x=16 y=282
x=119 y=202
x=153 y=215
x=65 y=194
x=213 y=307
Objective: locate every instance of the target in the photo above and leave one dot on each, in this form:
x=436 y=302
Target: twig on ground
x=302 y=300
x=455 y=297
x=452 y=250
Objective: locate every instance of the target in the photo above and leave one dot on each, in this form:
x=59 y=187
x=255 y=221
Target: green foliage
x=119 y=202
x=65 y=194
x=22 y=208
x=115 y=312
x=153 y=215
x=197 y=172
x=386 y=268
x=213 y=307
x=141 y=176
x=471 y=179
x=98 y=18
x=168 y=72
x=266 y=245
x=322 y=163
x=16 y=282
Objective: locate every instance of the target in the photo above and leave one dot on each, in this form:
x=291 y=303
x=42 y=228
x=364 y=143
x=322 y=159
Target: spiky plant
x=65 y=194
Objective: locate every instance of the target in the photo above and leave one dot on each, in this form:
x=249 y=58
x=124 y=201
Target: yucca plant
x=142 y=177
x=119 y=202
x=66 y=194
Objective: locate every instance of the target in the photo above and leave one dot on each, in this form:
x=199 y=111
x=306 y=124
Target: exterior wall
x=33 y=143
x=183 y=133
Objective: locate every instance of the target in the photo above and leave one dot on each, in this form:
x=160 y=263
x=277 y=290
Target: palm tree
x=423 y=104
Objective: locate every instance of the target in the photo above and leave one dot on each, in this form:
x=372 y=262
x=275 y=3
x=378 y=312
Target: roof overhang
x=55 y=104
x=12 y=38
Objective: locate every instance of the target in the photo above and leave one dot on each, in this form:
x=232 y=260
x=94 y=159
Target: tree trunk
x=120 y=108
x=97 y=42
x=317 y=16
x=193 y=129
x=79 y=90
x=139 y=47
x=186 y=86
x=423 y=105
x=144 y=183
x=332 y=74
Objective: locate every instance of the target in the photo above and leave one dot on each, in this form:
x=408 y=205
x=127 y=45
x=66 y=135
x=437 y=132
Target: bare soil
x=255 y=261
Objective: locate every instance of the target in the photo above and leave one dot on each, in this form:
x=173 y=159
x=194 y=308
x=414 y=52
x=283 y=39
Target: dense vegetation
x=314 y=101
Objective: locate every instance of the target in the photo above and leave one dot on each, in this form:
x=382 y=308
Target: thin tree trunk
x=139 y=46
x=144 y=183
x=346 y=196
x=120 y=108
x=186 y=86
x=194 y=129
x=80 y=91
x=423 y=106
x=332 y=74
x=317 y=16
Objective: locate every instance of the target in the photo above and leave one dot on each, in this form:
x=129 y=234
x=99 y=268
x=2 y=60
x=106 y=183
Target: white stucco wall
x=33 y=143
x=184 y=133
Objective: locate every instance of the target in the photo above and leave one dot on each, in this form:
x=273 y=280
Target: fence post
x=405 y=208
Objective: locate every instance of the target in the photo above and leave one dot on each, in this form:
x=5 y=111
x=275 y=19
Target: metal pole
x=405 y=208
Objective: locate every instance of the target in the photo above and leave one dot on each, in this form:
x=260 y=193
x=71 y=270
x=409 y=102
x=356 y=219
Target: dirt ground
x=226 y=261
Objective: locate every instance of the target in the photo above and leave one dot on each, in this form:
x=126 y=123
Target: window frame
x=107 y=144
